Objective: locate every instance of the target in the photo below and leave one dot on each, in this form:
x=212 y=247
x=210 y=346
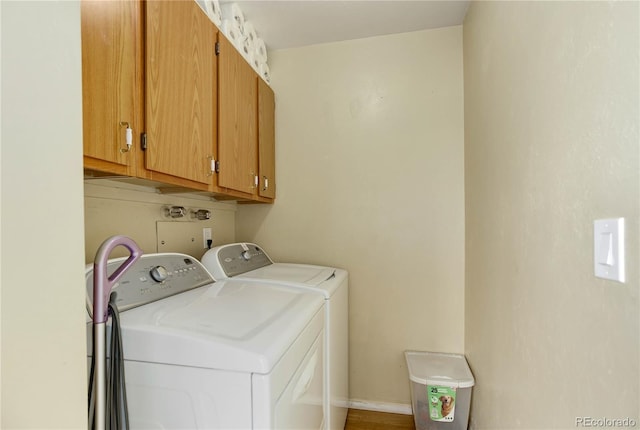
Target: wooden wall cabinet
x=237 y=133
x=266 y=141
x=246 y=143
x=111 y=101
x=181 y=95
x=153 y=66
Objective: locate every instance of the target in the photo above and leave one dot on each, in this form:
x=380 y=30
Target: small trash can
x=441 y=387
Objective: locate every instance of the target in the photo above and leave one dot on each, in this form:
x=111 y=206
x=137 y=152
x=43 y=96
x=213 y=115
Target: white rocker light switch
x=608 y=246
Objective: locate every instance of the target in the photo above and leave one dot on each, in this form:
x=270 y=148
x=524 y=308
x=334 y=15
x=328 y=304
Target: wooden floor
x=368 y=420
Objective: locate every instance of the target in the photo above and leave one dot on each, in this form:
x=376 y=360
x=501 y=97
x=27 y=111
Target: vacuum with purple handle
x=102 y=286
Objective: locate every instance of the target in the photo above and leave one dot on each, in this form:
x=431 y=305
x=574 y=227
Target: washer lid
x=319 y=278
x=232 y=325
x=294 y=273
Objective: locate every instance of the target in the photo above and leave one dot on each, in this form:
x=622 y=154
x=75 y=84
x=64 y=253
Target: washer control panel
x=239 y=258
x=153 y=277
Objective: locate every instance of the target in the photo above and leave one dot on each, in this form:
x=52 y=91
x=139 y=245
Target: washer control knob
x=159 y=274
x=246 y=255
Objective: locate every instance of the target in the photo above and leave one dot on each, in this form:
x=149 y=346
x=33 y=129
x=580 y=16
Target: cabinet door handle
x=212 y=165
x=128 y=136
x=256 y=181
x=266 y=183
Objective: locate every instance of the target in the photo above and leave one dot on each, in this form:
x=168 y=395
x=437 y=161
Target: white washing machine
x=247 y=261
x=232 y=354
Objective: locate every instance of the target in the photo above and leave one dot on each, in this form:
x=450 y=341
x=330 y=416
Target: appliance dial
x=246 y=255
x=159 y=274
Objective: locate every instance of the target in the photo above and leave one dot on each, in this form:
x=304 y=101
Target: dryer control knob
x=159 y=274
x=246 y=255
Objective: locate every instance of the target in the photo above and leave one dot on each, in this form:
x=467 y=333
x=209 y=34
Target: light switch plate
x=608 y=249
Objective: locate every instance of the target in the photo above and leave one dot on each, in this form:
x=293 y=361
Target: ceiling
x=293 y=23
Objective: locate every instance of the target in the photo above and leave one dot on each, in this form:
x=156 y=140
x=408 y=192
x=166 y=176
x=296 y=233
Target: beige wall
x=551 y=143
x=43 y=375
x=370 y=178
x=136 y=211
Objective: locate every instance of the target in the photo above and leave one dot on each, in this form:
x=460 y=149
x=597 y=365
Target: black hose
x=92 y=390
x=117 y=413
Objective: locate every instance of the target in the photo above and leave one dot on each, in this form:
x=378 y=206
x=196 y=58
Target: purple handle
x=102 y=284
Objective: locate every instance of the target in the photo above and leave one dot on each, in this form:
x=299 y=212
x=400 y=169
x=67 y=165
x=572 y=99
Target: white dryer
x=249 y=262
x=201 y=354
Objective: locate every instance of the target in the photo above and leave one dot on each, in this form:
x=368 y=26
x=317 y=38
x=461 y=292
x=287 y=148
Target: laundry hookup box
x=441 y=387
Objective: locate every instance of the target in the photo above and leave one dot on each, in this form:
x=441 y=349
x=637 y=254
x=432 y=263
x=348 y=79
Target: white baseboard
x=393 y=408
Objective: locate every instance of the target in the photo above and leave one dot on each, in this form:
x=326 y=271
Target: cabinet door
x=266 y=140
x=180 y=90
x=237 y=113
x=110 y=36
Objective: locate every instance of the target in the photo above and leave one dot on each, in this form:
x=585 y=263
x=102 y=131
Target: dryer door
x=293 y=395
x=301 y=403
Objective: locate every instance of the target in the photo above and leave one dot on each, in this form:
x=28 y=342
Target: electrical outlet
x=206 y=236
